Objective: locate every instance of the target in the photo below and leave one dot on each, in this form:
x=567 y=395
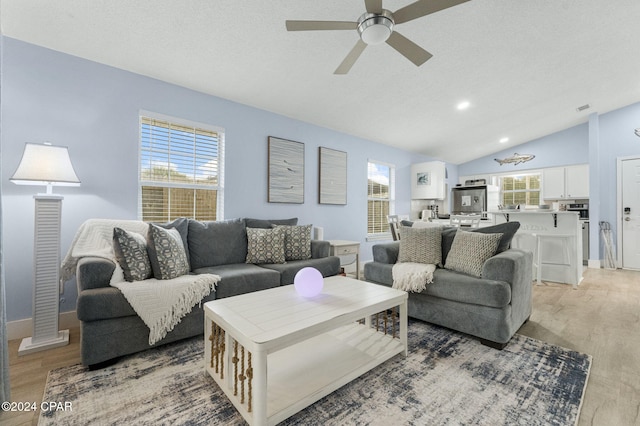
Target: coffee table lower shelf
x=297 y=375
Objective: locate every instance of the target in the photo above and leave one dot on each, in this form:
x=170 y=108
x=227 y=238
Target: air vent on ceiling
x=583 y=107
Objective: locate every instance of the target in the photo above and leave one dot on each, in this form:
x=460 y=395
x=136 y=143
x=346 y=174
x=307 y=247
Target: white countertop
x=532 y=212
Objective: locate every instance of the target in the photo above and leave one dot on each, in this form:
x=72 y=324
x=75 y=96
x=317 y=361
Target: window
x=380 y=198
x=521 y=189
x=181 y=169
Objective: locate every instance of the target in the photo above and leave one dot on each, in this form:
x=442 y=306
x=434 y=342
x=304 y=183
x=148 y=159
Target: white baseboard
x=594 y=264
x=24 y=328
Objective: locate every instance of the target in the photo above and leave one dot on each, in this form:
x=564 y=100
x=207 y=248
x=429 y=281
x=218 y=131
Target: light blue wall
x=93 y=109
x=599 y=142
x=570 y=146
x=616 y=139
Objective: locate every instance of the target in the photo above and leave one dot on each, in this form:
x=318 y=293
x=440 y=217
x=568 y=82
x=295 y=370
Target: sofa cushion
x=213 y=243
x=102 y=303
x=470 y=250
x=268 y=223
x=328 y=266
x=166 y=253
x=181 y=224
x=241 y=278
x=508 y=230
x=297 y=241
x=458 y=287
x=130 y=249
x=420 y=245
x=265 y=245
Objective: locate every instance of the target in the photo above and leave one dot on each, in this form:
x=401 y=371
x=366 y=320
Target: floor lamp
x=46 y=165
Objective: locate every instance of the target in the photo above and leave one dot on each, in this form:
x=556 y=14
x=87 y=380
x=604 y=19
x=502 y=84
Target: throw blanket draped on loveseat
x=161 y=304
x=413 y=277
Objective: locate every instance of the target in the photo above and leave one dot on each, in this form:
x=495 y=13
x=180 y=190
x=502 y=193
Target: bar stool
x=566 y=240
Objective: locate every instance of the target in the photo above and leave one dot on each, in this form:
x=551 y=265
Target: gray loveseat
x=110 y=328
x=491 y=308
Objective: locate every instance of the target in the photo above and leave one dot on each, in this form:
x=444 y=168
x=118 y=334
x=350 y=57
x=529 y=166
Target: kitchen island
x=559 y=236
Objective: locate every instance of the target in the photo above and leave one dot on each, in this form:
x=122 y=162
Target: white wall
x=93 y=109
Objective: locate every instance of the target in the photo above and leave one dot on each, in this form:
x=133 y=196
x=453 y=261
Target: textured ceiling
x=524 y=65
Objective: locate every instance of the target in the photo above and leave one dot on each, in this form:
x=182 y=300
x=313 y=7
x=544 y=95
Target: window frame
x=391 y=199
x=219 y=187
x=527 y=190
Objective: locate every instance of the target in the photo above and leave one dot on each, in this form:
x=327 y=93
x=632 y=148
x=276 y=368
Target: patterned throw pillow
x=420 y=245
x=297 y=241
x=166 y=253
x=131 y=253
x=470 y=250
x=265 y=245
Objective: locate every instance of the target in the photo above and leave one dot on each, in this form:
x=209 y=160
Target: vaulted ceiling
x=524 y=66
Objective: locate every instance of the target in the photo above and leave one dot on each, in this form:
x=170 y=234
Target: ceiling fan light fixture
x=375 y=28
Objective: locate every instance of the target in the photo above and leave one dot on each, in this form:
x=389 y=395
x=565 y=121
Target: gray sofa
x=491 y=308
x=110 y=328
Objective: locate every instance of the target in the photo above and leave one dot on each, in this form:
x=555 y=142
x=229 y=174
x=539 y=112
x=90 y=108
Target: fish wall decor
x=516 y=159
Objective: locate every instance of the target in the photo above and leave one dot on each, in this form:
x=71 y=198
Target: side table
x=343 y=248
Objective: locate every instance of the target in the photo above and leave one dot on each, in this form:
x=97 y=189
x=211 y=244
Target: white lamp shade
x=45 y=165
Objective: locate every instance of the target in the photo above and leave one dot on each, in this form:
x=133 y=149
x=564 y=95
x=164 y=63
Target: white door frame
x=619 y=214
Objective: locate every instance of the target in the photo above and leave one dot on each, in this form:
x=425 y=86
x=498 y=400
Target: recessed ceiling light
x=464 y=105
x=504 y=140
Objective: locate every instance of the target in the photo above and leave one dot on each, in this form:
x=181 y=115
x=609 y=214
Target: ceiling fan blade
x=408 y=49
x=351 y=58
x=320 y=25
x=373 y=6
x=422 y=8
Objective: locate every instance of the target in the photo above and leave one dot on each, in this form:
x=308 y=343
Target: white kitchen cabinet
x=569 y=182
x=428 y=181
x=576 y=180
x=553 y=183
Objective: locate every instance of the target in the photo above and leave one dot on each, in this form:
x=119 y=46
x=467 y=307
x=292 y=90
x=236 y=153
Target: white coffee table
x=292 y=351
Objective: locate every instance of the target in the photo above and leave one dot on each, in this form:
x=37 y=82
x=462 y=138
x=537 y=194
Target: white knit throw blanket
x=161 y=304
x=94 y=238
x=414 y=277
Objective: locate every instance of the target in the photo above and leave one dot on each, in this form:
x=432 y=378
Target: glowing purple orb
x=308 y=282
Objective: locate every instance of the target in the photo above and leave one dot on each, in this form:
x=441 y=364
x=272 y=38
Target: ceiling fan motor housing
x=375 y=28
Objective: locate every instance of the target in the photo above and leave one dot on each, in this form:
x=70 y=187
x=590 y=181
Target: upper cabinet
x=569 y=182
x=576 y=180
x=428 y=181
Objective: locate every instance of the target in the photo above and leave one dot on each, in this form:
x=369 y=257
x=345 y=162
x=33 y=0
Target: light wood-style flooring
x=601 y=318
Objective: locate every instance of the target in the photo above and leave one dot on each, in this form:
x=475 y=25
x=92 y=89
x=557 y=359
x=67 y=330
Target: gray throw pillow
x=130 y=249
x=182 y=225
x=297 y=241
x=265 y=246
x=268 y=223
x=420 y=245
x=470 y=250
x=507 y=229
x=166 y=253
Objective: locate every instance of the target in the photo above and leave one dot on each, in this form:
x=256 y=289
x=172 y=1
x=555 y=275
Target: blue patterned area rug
x=448 y=379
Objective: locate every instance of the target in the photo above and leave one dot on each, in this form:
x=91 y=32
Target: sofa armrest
x=94 y=272
x=386 y=253
x=507 y=266
x=515 y=267
x=320 y=249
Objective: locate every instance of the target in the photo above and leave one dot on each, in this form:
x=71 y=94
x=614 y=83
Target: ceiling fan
x=376 y=26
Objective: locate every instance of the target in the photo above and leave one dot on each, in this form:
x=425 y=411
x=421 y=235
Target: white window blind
x=181 y=170
x=380 y=198
x=521 y=189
